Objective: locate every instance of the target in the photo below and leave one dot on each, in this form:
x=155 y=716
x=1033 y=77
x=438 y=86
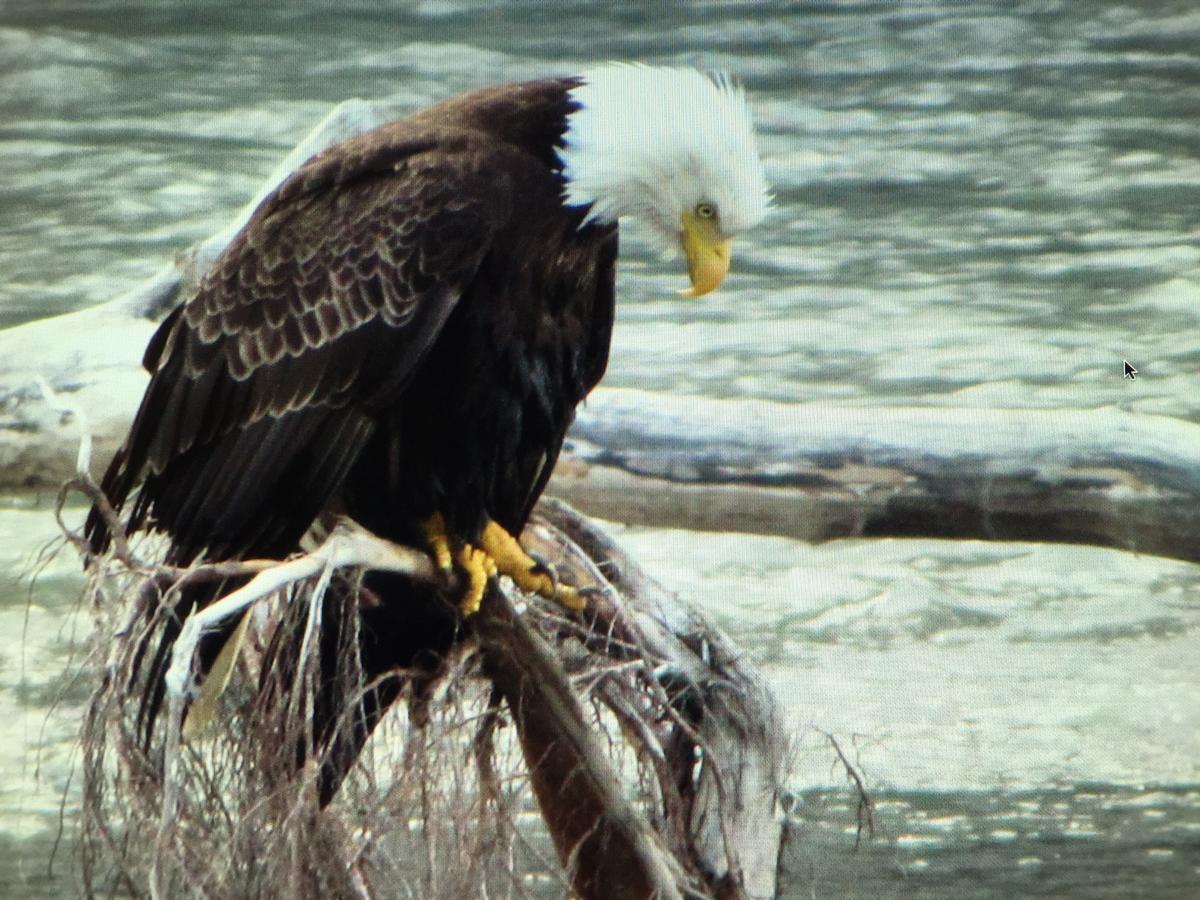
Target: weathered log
x=818 y=471
x=707 y=719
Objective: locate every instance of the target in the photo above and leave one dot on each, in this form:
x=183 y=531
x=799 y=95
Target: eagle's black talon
x=543 y=568
x=547 y=570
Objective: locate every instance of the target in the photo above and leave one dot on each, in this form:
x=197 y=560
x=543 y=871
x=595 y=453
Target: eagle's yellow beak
x=707 y=254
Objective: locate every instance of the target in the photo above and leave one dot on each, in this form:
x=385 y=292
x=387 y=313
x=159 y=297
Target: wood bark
x=819 y=471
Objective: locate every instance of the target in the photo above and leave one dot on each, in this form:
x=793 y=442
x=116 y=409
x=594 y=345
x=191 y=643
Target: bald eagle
x=402 y=331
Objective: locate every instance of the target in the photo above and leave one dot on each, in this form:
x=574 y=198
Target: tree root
x=651 y=750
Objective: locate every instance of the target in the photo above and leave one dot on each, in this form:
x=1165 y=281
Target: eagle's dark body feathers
x=412 y=316
x=404 y=326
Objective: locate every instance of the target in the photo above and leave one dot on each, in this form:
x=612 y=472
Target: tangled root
x=545 y=755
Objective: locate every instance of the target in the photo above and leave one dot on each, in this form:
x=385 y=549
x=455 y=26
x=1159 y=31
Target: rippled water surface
x=978 y=204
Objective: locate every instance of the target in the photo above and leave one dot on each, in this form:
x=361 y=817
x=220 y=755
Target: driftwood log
x=818 y=472
x=811 y=471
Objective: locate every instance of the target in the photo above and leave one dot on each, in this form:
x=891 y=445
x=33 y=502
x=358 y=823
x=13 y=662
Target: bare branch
x=865 y=811
x=349 y=545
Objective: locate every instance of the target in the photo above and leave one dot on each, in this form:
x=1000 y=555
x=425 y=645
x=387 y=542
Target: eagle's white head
x=672 y=147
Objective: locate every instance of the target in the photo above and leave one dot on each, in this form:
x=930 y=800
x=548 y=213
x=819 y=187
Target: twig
x=168 y=815
x=865 y=812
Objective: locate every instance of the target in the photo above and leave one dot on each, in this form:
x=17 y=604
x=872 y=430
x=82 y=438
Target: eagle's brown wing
x=263 y=385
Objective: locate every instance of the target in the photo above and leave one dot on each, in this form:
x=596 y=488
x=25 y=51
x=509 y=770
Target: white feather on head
x=652 y=143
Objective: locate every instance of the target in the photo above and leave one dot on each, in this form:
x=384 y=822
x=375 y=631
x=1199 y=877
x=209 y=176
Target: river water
x=986 y=205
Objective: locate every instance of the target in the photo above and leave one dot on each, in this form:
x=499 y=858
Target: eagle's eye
x=705 y=211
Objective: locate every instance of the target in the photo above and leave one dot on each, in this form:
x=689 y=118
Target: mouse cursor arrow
x=1130 y=371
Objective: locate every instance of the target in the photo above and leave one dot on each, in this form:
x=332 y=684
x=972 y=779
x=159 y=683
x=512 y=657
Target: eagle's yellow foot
x=438 y=540
x=498 y=553
x=475 y=563
x=479 y=568
x=526 y=572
